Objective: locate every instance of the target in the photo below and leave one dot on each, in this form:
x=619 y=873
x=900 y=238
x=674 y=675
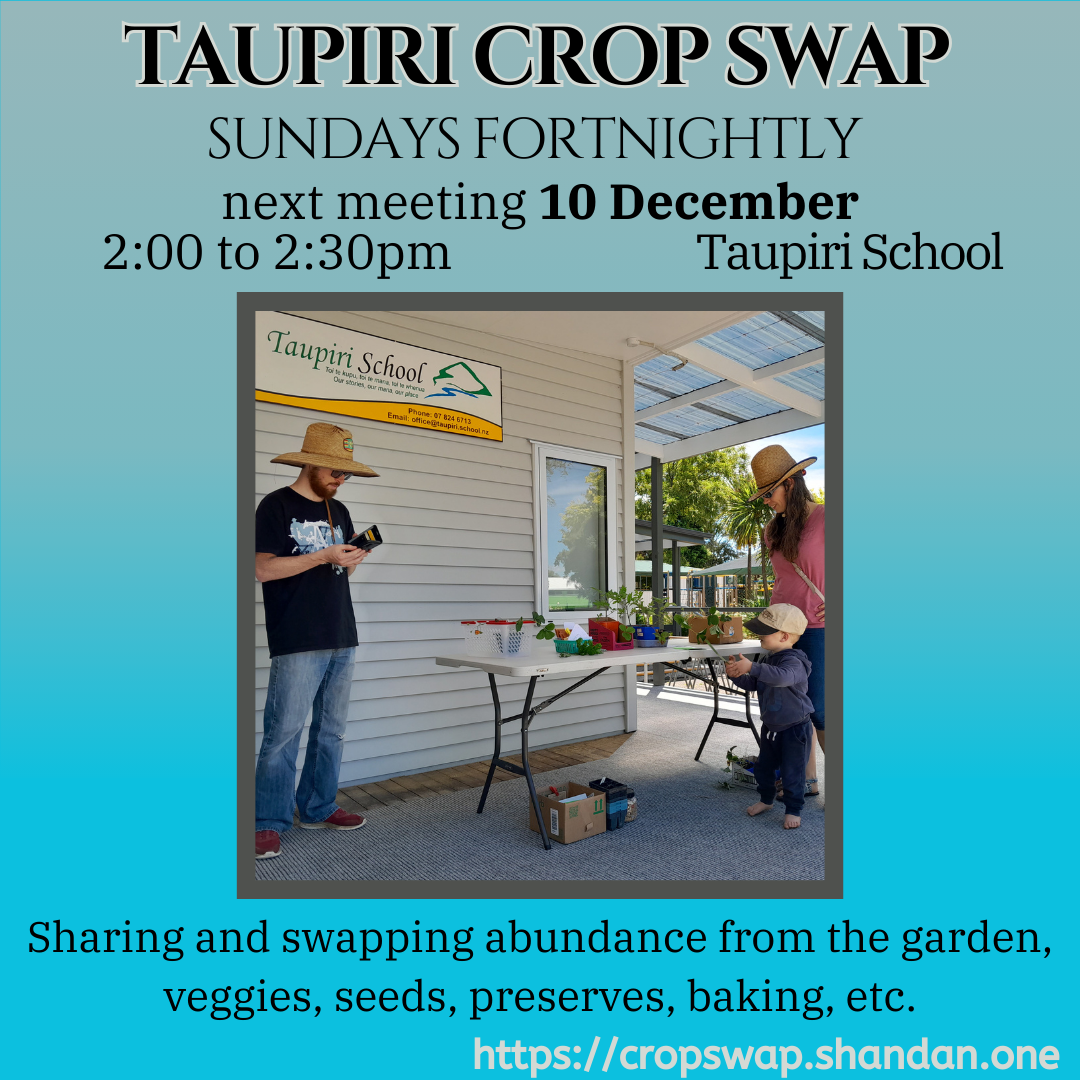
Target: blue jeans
x=318 y=681
x=813 y=644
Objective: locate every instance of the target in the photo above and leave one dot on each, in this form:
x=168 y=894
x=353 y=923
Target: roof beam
x=650 y=449
x=794 y=363
x=805 y=325
x=737 y=434
x=661 y=431
x=744 y=376
x=678 y=401
x=654 y=349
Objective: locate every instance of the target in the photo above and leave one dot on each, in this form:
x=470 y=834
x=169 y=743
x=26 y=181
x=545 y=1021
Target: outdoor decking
x=401 y=789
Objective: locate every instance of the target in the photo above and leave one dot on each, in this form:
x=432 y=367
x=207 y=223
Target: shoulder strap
x=798 y=570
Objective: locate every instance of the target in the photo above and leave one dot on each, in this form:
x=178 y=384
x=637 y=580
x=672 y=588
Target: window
x=576 y=493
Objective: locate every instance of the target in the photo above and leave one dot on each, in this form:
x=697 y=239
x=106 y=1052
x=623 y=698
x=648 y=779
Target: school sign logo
x=313 y=365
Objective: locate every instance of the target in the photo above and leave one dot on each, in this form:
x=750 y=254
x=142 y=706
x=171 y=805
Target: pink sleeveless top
x=790 y=588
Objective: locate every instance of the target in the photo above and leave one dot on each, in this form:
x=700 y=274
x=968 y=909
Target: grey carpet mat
x=688 y=828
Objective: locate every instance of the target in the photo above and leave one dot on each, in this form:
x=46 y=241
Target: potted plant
x=710 y=627
x=646 y=634
x=628 y=607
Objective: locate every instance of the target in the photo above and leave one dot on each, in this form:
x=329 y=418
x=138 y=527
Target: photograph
x=470 y=663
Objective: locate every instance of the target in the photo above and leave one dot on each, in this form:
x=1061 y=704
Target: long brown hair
x=784 y=532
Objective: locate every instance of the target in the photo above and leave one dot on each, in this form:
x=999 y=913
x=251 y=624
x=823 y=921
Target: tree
x=692 y=500
x=744 y=518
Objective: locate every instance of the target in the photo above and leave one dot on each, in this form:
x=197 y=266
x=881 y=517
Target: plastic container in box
x=613 y=789
x=618 y=800
x=498 y=637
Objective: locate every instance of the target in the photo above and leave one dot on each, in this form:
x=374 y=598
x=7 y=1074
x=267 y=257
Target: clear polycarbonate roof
x=769 y=338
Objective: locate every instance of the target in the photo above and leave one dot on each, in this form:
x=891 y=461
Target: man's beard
x=323 y=489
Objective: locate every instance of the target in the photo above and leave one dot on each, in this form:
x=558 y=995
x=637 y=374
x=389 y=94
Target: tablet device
x=369 y=539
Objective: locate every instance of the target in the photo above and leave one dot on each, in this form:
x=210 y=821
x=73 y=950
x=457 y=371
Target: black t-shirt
x=312 y=610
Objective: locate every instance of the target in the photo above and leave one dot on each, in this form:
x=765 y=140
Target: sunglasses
x=337 y=474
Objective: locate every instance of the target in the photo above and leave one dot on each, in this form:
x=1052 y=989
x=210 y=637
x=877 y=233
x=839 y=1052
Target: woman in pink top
x=796 y=541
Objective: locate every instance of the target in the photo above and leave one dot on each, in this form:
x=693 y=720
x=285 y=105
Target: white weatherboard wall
x=456 y=515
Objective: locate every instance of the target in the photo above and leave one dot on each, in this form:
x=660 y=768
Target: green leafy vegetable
x=546 y=631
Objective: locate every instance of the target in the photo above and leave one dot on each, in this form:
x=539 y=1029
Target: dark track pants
x=788 y=751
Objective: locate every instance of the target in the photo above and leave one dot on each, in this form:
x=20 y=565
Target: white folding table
x=544 y=661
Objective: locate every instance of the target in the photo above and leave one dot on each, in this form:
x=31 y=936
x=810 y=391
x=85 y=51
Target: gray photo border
x=247 y=885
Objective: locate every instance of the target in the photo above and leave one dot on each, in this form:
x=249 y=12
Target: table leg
x=524 y=769
x=498 y=742
x=716 y=706
x=526 y=719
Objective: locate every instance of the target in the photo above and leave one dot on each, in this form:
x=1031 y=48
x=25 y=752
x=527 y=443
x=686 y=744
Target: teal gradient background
x=119 y=519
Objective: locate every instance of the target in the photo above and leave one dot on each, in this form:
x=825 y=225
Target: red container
x=608 y=640
x=605 y=624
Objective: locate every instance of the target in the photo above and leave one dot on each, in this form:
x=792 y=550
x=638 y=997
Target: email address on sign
x=607 y=1054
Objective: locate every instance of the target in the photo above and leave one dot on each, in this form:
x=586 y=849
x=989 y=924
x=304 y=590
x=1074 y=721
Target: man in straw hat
x=304 y=562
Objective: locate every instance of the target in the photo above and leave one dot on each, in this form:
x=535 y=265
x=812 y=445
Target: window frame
x=613 y=463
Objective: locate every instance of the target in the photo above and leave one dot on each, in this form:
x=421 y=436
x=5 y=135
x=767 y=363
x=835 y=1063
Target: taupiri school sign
x=313 y=365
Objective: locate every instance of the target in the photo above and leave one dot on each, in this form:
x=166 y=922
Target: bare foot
x=791 y=821
x=758 y=808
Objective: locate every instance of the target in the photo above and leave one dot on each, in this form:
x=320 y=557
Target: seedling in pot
x=713 y=618
x=627 y=606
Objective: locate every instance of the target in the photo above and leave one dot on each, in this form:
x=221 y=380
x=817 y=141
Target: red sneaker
x=339 y=819
x=267 y=844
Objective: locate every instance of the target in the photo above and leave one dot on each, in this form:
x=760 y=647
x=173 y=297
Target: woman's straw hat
x=774 y=464
x=329 y=447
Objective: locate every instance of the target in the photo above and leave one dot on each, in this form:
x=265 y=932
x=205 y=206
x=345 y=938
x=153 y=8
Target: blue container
x=618 y=795
x=645 y=637
x=616 y=814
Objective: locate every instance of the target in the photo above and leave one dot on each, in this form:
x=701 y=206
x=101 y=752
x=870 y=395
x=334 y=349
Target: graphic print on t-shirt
x=314 y=536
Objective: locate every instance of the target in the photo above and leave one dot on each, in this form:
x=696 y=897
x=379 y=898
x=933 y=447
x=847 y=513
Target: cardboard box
x=729 y=630
x=567 y=822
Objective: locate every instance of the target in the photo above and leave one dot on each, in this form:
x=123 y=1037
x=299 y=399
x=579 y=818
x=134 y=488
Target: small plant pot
x=645 y=637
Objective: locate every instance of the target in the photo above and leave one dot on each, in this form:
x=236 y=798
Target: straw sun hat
x=329 y=447
x=773 y=465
